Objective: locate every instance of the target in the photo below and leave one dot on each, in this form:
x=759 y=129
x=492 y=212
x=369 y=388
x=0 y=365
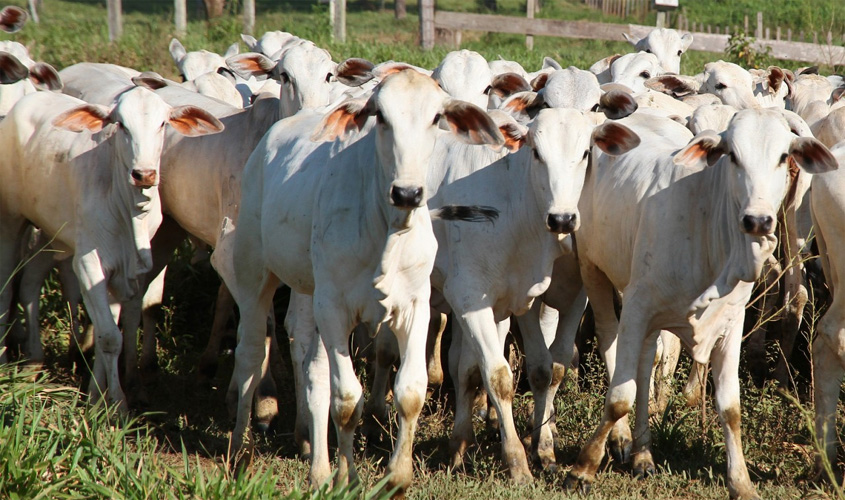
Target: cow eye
x=784 y=157
x=329 y=77
x=595 y=108
x=645 y=74
x=721 y=86
x=586 y=154
x=285 y=78
x=437 y=118
x=680 y=52
x=379 y=118
x=488 y=89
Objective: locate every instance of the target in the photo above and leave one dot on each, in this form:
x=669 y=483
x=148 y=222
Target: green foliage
x=742 y=50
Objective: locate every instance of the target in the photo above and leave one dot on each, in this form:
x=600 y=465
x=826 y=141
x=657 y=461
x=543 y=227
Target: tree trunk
x=400 y=11
x=214 y=8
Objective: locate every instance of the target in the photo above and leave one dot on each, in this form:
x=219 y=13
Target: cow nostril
x=561 y=223
x=406 y=197
x=137 y=175
x=758 y=225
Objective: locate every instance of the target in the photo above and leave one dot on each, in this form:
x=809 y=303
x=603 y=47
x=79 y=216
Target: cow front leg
x=375 y=412
x=223 y=308
x=828 y=367
x=725 y=361
x=642 y=460
x=466 y=375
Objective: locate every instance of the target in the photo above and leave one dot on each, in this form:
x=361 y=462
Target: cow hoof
x=644 y=470
x=262 y=427
x=575 y=484
x=551 y=468
x=620 y=450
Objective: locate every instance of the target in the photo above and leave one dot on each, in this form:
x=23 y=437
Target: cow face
x=632 y=70
x=732 y=84
x=666 y=44
x=306 y=73
x=199 y=62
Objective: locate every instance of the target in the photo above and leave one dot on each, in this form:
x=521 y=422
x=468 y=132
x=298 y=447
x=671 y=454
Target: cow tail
x=470 y=213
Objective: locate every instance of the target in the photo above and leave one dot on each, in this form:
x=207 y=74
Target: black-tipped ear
x=12 y=19
x=149 y=81
x=812 y=156
x=354 y=72
x=674 y=85
x=507 y=84
x=615 y=139
x=45 y=77
x=539 y=82
x=11 y=69
x=617 y=104
x=471 y=124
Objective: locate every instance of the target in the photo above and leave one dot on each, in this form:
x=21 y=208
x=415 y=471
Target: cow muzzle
x=144 y=178
x=406 y=197
x=564 y=223
x=758 y=225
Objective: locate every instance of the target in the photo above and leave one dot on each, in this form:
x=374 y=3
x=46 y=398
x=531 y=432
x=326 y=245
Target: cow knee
x=347 y=411
x=110 y=341
x=540 y=377
x=501 y=384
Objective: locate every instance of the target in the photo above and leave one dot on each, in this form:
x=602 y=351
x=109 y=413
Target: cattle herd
x=387 y=196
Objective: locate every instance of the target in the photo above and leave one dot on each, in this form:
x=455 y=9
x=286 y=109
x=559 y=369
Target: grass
x=52 y=445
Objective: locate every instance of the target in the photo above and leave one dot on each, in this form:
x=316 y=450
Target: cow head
x=666 y=44
x=759 y=148
x=632 y=70
x=465 y=75
x=138 y=118
x=20 y=75
x=199 y=62
x=408 y=107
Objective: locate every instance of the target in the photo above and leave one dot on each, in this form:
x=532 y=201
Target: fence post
x=181 y=17
x=337 y=12
x=427 y=24
x=249 y=16
x=529 y=8
x=114 y=9
x=759 y=31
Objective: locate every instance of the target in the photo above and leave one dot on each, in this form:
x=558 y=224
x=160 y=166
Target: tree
x=214 y=8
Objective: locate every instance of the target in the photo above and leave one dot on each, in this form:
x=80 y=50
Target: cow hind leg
x=466 y=375
x=266 y=400
x=828 y=368
x=375 y=410
x=223 y=308
x=642 y=460
x=436 y=327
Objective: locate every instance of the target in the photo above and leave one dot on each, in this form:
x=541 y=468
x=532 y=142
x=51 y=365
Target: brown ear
x=354 y=72
x=837 y=94
x=471 y=124
x=529 y=103
x=508 y=84
x=192 y=121
x=251 y=64
x=706 y=146
x=515 y=136
x=90 y=117
x=615 y=139
x=539 y=82
x=617 y=104
x=149 y=81
x=347 y=117
x=11 y=69
x=45 y=77
x=674 y=85
x=775 y=77
x=12 y=19
x=812 y=156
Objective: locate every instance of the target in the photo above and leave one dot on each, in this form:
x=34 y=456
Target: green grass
x=53 y=446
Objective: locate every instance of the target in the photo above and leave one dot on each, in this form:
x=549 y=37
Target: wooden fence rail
x=454 y=22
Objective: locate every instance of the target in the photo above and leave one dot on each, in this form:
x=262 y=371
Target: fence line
x=449 y=24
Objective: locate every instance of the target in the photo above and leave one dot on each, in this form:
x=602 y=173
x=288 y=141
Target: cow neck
x=130 y=206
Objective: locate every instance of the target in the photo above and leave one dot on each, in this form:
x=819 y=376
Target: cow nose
x=406 y=197
x=561 y=223
x=144 y=178
x=757 y=226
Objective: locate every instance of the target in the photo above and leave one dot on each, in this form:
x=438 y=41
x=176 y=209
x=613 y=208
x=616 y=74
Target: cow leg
x=480 y=326
x=299 y=323
x=80 y=342
x=410 y=329
x=149 y=314
x=828 y=368
x=131 y=319
x=33 y=275
x=725 y=361
x=334 y=326
x=316 y=401
x=466 y=375
x=256 y=289
x=10 y=233
x=223 y=308
x=266 y=400
x=375 y=410
x=641 y=458
x=540 y=377
x=794 y=297
x=664 y=372
x=436 y=327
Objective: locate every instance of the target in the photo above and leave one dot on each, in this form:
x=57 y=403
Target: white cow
x=666 y=44
x=271 y=43
x=685 y=259
x=827 y=199
x=351 y=228
x=88 y=176
x=632 y=70
x=20 y=75
x=196 y=63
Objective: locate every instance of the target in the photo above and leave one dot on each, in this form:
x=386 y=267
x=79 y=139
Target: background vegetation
x=53 y=446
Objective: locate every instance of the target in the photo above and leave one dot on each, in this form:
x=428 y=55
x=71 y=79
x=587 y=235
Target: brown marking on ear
x=539 y=82
x=617 y=104
x=85 y=117
x=346 y=117
x=386 y=70
x=794 y=172
x=251 y=64
x=812 y=156
x=354 y=71
x=615 y=139
x=514 y=138
x=149 y=82
x=471 y=124
x=693 y=154
x=192 y=121
x=12 y=19
x=775 y=77
x=45 y=77
x=669 y=84
x=507 y=84
x=706 y=146
x=837 y=94
x=11 y=69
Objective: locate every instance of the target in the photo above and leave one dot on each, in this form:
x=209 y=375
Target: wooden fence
x=450 y=24
x=621 y=8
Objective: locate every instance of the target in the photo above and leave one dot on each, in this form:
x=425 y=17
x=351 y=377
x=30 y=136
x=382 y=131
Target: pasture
x=173 y=446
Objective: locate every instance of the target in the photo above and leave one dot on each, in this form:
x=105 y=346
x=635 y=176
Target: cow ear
x=706 y=146
x=775 y=77
x=686 y=40
x=251 y=64
x=837 y=94
x=386 y=69
x=348 y=116
x=674 y=85
x=471 y=124
x=150 y=81
x=515 y=134
x=92 y=117
x=614 y=139
x=249 y=41
x=232 y=50
x=548 y=62
x=539 y=82
x=192 y=121
x=617 y=104
x=354 y=72
x=812 y=156
x=524 y=103
x=11 y=69
x=177 y=51
x=45 y=77
x=507 y=84
x=12 y=19
x=633 y=40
